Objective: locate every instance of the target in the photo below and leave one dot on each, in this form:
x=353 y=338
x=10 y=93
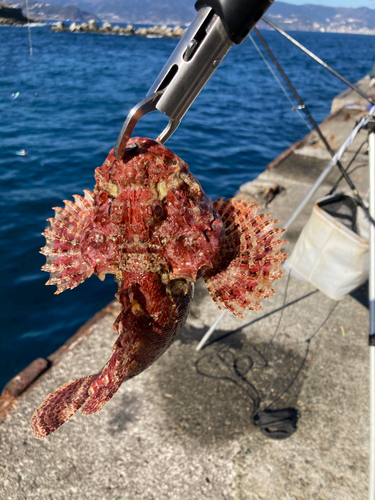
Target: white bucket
x=329 y=255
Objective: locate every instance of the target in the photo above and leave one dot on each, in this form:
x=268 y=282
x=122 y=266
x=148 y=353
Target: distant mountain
x=43 y=10
x=138 y=11
x=320 y=18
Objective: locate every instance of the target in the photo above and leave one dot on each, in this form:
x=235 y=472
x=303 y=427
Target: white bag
x=330 y=255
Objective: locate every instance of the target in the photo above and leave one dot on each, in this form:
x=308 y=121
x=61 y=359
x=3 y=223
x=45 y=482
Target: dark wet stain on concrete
x=126 y=414
x=211 y=395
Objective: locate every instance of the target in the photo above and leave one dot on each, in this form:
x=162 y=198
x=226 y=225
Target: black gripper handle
x=238 y=16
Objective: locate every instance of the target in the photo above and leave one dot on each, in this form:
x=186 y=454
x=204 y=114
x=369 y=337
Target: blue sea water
x=64 y=107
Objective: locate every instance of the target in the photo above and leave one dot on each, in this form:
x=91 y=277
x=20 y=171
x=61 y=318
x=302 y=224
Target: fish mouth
x=179 y=287
x=185 y=277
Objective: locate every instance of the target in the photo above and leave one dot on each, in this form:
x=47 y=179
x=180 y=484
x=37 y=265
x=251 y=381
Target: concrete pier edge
x=28 y=376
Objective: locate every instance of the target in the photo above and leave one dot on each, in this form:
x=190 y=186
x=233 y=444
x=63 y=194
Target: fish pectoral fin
x=249 y=258
x=65 y=263
x=59 y=406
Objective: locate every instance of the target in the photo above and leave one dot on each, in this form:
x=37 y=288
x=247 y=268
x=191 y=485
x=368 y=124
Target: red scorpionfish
x=150 y=224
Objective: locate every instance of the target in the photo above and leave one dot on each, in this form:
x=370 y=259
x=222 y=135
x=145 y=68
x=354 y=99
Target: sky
x=336 y=3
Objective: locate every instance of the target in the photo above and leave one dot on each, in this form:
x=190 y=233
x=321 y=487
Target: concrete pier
x=182 y=430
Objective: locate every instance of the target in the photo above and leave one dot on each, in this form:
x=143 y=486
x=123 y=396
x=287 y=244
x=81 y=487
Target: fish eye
x=157 y=210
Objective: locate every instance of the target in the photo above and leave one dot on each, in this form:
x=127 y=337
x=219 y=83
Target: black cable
x=233 y=368
x=275 y=424
x=305 y=357
x=281 y=424
x=357 y=167
x=349 y=165
x=273 y=338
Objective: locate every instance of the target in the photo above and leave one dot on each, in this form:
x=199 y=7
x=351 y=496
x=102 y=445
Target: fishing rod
x=301 y=103
x=304 y=108
x=320 y=61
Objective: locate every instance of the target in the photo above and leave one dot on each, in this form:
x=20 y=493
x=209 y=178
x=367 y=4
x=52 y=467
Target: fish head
x=156 y=203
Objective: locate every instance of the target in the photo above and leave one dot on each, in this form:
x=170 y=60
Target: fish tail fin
x=64 y=259
x=117 y=369
x=103 y=393
x=59 y=406
x=249 y=260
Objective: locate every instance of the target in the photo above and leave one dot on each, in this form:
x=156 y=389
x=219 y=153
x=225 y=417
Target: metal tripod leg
x=211 y=330
x=372 y=314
